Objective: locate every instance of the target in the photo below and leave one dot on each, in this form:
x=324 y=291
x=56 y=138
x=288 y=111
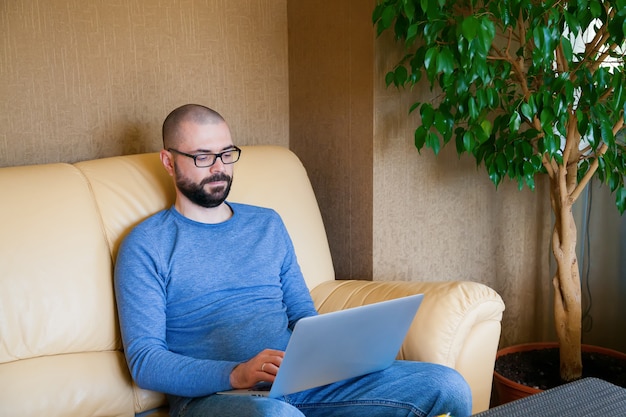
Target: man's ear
x=167 y=161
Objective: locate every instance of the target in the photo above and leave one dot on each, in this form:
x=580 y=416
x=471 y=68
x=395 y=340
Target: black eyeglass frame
x=234 y=150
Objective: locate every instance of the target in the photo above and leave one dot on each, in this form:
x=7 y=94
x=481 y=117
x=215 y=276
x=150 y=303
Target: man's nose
x=218 y=165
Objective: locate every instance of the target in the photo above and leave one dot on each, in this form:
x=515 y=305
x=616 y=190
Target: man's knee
x=237 y=406
x=278 y=408
x=455 y=390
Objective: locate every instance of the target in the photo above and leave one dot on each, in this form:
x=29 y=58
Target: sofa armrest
x=457 y=325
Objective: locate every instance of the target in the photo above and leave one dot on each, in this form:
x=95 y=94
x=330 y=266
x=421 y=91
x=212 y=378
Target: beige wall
x=81 y=79
x=331 y=125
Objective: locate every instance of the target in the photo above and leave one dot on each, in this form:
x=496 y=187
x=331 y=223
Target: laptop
x=343 y=344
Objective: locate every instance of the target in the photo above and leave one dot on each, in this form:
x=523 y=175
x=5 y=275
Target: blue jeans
x=415 y=389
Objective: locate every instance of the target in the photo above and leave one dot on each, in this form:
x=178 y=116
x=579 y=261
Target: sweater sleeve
x=296 y=294
x=141 y=300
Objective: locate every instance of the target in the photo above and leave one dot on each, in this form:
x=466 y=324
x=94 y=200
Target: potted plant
x=527 y=87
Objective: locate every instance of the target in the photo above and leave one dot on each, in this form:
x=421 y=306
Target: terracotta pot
x=507 y=390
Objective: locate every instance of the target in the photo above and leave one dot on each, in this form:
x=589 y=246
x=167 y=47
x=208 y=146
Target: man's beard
x=197 y=194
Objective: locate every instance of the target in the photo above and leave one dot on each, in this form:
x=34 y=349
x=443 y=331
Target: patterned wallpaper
x=82 y=79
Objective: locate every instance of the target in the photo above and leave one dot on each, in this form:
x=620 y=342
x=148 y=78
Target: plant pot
x=507 y=390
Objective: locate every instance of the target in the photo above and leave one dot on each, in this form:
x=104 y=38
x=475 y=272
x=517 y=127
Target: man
x=208 y=292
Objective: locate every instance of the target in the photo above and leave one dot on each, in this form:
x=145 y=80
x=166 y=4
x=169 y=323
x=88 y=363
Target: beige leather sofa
x=60 y=350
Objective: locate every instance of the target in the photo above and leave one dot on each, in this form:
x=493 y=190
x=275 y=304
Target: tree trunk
x=566 y=282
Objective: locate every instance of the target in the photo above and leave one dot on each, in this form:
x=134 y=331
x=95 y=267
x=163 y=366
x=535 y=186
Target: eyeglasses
x=205 y=160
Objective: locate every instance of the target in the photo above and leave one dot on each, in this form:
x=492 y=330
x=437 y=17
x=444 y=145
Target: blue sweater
x=196 y=299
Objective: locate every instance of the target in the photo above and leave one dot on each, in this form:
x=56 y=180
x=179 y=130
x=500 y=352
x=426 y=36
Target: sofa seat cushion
x=78 y=384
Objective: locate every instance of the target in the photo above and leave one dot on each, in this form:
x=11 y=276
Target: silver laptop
x=344 y=344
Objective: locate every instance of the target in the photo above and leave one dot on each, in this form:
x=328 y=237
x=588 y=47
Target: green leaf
x=444 y=124
x=515 y=122
x=485 y=35
x=569 y=89
x=583 y=122
x=528 y=168
x=494 y=175
x=542 y=36
x=459 y=142
x=428 y=115
x=430 y=63
x=572 y=22
x=546 y=117
x=619 y=97
x=469 y=28
x=596 y=8
x=400 y=76
x=414 y=106
x=509 y=152
x=389 y=13
x=524 y=149
x=415 y=77
x=417 y=60
x=401 y=26
x=431 y=31
x=445 y=61
x=420 y=137
x=411 y=34
x=468 y=141
x=614 y=180
x=378 y=12
x=620 y=199
x=512 y=171
x=390 y=78
x=501 y=163
x=607 y=133
x=601 y=164
x=527 y=111
x=409 y=10
x=481 y=98
x=473 y=109
x=486 y=127
x=480 y=133
x=494 y=98
x=432 y=141
x=551 y=143
x=530 y=182
x=568 y=50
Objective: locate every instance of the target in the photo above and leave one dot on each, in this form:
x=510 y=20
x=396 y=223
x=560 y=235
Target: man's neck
x=212 y=215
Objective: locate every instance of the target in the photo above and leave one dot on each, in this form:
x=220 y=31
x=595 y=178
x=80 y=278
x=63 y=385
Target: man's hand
x=263 y=367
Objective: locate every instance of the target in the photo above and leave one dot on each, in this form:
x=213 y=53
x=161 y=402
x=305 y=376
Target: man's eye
x=203 y=157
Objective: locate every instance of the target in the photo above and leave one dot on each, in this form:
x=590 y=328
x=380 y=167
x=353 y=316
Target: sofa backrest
x=58 y=331
x=128 y=189
x=60 y=349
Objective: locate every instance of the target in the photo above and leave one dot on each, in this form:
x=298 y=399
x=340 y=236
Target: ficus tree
x=526 y=87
